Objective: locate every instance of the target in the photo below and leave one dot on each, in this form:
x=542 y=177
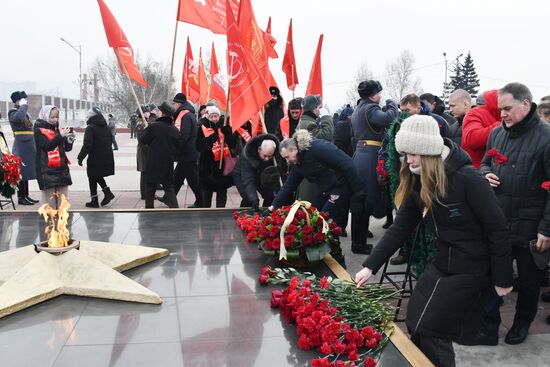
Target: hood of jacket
x=456 y=159
x=491 y=103
x=98 y=120
x=250 y=152
x=185 y=106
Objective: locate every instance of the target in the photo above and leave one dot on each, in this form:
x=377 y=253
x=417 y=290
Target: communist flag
x=190 y=80
x=315 y=83
x=118 y=41
x=270 y=41
x=209 y=14
x=247 y=86
x=289 y=62
x=203 y=81
x=217 y=90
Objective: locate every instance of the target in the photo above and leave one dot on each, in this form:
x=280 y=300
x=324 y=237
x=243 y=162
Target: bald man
x=255 y=171
x=460 y=103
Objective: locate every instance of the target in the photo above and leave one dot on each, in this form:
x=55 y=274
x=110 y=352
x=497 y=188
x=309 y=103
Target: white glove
x=323 y=112
x=71 y=137
x=22 y=101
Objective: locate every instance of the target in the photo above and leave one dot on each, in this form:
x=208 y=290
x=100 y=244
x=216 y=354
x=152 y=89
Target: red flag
x=190 y=80
x=248 y=88
x=217 y=90
x=252 y=36
x=315 y=83
x=289 y=62
x=209 y=14
x=117 y=39
x=270 y=41
x=203 y=81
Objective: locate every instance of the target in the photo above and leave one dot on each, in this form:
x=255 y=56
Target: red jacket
x=478 y=124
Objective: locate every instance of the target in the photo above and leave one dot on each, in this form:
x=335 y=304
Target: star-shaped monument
x=28 y=277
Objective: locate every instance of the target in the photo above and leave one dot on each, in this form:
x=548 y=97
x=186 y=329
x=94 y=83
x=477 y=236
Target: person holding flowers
x=439 y=185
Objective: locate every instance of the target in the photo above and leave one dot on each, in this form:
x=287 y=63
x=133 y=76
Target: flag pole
x=293 y=85
x=130 y=84
x=228 y=106
x=172 y=63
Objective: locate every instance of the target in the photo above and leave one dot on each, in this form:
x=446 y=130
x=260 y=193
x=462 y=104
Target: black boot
x=108 y=196
x=92 y=203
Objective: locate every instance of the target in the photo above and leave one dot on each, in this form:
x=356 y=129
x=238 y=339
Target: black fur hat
x=180 y=98
x=16 y=96
x=369 y=88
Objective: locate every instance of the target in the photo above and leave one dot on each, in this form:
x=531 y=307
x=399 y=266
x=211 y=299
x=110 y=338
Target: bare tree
x=114 y=87
x=363 y=73
x=400 y=79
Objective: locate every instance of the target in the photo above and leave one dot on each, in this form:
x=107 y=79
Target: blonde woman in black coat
x=439 y=185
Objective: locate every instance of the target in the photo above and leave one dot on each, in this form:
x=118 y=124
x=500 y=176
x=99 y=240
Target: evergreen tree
x=457 y=77
x=469 y=76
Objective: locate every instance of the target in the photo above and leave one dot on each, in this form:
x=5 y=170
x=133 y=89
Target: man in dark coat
x=255 y=171
x=460 y=103
x=23 y=145
x=162 y=139
x=274 y=111
x=97 y=146
x=187 y=167
x=369 y=124
x=473 y=249
x=342 y=131
x=516 y=164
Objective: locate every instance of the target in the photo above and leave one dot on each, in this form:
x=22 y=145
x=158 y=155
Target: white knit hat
x=213 y=110
x=419 y=134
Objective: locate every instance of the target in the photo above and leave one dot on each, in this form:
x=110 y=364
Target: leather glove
x=80 y=163
x=256 y=204
x=357 y=202
x=266 y=213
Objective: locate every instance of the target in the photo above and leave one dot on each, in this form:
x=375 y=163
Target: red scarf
x=177 y=123
x=54 y=156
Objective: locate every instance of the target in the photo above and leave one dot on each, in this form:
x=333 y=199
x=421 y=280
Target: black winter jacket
x=473 y=252
x=322 y=163
x=249 y=167
x=472 y=236
x=49 y=177
x=162 y=140
x=455 y=131
x=187 y=151
x=525 y=204
x=97 y=146
x=342 y=136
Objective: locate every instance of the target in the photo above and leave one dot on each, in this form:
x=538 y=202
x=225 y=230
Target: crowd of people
x=469 y=186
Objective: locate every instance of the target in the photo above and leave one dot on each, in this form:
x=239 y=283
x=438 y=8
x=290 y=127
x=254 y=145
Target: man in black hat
x=274 y=111
x=23 y=144
x=141 y=154
x=187 y=155
x=162 y=140
x=369 y=124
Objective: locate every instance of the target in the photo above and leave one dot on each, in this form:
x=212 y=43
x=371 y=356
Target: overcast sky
x=508 y=39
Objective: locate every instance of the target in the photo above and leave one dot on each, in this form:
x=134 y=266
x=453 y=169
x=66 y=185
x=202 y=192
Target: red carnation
x=276 y=297
x=307 y=240
x=289 y=240
x=264 y=279
x=235 y=215
x=276 y=244
x=337 y=231
x=499 y=157
x=308 y=229
x=545 y=185
x=318 y=237
x=324 y=283
x=291 y=229
x=369 y=362
x=324 y=215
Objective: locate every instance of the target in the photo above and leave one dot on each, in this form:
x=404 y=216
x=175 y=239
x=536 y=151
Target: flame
x=57 y=232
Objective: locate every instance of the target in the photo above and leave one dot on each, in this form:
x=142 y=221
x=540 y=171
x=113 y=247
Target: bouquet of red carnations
x=10 y=174
x=350 y=326
x=291 y=231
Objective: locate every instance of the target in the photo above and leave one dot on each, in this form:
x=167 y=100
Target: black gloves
x=226 y=130
x=266 y=213
x=357 y=202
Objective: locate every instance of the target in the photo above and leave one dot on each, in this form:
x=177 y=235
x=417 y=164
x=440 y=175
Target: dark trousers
x=360 y=226
x=221 y=198
x=133 y=132
x=169 y=195
x=530 y=278
x=336 y=204
x=23 y=189
x=189 y=171
x=439 y=351
x=115 y=145
x=142 y=184
x=93 y=181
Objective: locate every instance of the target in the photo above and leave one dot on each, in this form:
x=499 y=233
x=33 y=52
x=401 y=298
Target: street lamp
x=79 y=51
